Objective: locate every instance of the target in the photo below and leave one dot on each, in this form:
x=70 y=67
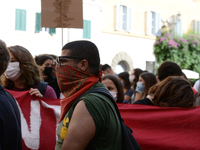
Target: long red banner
x=154 y=128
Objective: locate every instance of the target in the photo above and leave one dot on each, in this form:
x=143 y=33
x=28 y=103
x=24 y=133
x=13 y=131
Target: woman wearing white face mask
x=115 y=88
x=23 y=74
x=146 y=80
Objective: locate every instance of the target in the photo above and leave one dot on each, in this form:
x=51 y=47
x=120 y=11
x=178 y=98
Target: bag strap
x=42 y=86
x=104 y=92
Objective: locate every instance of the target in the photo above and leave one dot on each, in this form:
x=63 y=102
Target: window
x=153 y=23
x=86 y=29
x=150 y=66
x=38 y=27
x=196 y=26
x=176 y=25
x=123 y=18
x=20 y=19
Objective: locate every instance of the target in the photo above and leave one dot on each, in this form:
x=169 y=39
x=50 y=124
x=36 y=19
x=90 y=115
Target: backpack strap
x=42 y=86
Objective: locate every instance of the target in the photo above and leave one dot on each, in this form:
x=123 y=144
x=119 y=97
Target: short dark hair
x=40 y=59
x=172 y=92
x=53 y=56
x=4 y=57
x=168 y=68
x=125 y=77
x=118 y=84
x=105 y=67
x=85 y=50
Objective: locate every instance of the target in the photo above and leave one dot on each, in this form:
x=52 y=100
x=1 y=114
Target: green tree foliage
x=185 y=51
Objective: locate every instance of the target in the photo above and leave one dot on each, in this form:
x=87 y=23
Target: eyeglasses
x=61 y=59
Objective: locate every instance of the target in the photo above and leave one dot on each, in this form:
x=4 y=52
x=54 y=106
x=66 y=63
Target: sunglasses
x=61 y=59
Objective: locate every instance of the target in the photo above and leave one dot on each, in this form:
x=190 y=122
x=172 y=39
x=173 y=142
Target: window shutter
x=118 y=17
x=194 y=26
x=87 y=29
x=38 y=23
x=17 y=19
x=129 y=19
x=23 y=20
x=52 y=31
x=158 y=24
x=173 y=25
x=179 y=30
x=148 y=22
x=198 y=27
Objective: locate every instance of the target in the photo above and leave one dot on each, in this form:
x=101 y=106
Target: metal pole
x=61 y=18
x=68 y=35
x=62 y=36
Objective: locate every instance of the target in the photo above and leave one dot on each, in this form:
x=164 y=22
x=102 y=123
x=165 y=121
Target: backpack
x=42 y=86
x=128 y=141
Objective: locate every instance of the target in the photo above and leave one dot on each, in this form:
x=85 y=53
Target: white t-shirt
x=196 y=85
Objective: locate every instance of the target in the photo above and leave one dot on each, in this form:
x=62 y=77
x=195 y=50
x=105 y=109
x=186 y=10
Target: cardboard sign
x=62 y=13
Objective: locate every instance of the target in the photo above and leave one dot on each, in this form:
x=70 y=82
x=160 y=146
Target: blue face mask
x=140 y=87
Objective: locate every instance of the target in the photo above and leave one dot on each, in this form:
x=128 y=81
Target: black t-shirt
x=144 y=101
x=10 y=122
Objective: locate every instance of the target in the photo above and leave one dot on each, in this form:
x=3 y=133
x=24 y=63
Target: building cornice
x=130 y=34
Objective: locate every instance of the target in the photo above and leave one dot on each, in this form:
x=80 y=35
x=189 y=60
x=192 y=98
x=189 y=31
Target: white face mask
x=13 y=71
x=131 y=78
x=114 y=94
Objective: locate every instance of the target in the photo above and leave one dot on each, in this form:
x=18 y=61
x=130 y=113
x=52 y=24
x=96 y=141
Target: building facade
x=123 y=30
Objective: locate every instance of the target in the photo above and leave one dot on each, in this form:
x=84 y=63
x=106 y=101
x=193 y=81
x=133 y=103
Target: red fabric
x=67 y=102
x=73 y=83
x=154 y=128
x=159 y=128
x=47 y=117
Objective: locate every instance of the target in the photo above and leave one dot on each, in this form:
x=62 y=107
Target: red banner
x=163 y=128
x=155 y=128
x=39 y=120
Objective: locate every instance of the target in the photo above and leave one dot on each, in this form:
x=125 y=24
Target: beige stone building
x=123 y=30
x=130 y=27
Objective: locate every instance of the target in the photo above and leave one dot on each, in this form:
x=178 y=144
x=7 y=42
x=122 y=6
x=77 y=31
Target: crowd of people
x=92 y=123
x=143 y=87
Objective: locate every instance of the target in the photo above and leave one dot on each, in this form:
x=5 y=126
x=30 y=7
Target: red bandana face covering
x=73 y=83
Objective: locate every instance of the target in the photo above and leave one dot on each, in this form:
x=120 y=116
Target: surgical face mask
x=140 y=87
x=131 y=78
x=13 y=71
x=114 y=94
